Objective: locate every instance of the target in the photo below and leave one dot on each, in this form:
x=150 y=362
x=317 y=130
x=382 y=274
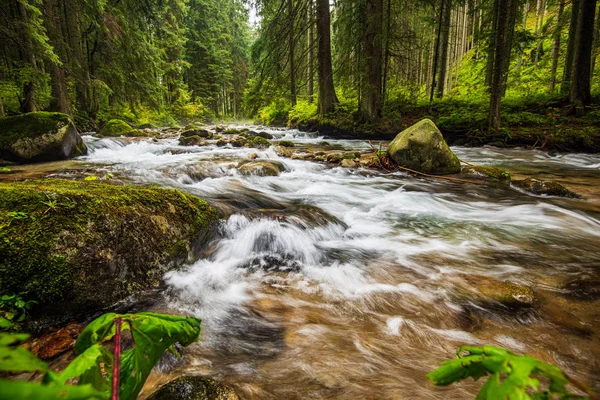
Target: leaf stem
x=117 y=360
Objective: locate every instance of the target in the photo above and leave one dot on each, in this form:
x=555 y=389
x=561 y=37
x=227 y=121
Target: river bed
x=327 y=282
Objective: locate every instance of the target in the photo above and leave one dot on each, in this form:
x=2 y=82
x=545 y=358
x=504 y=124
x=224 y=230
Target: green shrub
x=276 y=113
x=302 y=112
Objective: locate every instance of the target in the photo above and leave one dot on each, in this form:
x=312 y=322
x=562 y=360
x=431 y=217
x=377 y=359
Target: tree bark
x=444 y=45
x=565 y=87
x=436 y=57
x=582 y=60
x=60 y=97
x=489 y=70
x=311 y=39
x=27 y=102
x=290 y=6
x=370 y=104
x=596 y=49
x=327 y=96
x=520 y=59
x=556 y=45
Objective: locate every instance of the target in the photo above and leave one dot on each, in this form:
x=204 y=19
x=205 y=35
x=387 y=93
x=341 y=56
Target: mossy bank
x=78 y=246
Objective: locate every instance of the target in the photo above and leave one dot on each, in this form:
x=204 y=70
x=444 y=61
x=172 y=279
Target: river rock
x=194 y=388
x=116 y=127
x=489 y=291
x=422 y=148
x=238 y=141
x=261 y=168
x=203 y=133
x=545 y=188
x=334 y=158
x=283 y=151
x=259 y=142
x=265 y=135
x=38 y=137
x=55 y=343
x=192 y=141
x=348 y=163
x=80 y=246
x=485 y=172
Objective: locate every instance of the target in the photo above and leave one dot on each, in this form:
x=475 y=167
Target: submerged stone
x=422 y=148
x=194 y=388
x=261 y=168
x=485 y=172
x=545 y=188
x=192 y=141
x=39 y=136
x=80 y=246
x=488 y=291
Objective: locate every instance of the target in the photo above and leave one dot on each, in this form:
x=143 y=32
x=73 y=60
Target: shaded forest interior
x=371 y=66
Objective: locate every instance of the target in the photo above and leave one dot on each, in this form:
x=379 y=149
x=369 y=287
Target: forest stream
x=326 y=282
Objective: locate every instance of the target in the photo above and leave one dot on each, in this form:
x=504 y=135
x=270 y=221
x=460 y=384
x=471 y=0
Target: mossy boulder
x=203 y=133
x=545 y=188
x=80 y=246
x=192 y=141
x=259 y=142
x=38 y=137
x=238 y=141
x=486 y=173
x=489 y=292
x=286 y=143
x=194 y=388
x=422 y=148
x=116 y=127
x=265 y=135
x=261 y=168
x=348 y=163
x=282 y=151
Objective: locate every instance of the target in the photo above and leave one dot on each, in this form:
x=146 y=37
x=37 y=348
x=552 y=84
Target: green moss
x=30 y=125
x=5 y=170
x=116 y=127
x=85 y=245
x=259 y=142
x=492 y=172
x=286 y=143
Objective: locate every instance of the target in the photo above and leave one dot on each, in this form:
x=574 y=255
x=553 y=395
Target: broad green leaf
x=22 y=390
x=4 y=323
x=95 y=332
x=87 y=368
x=18 y=359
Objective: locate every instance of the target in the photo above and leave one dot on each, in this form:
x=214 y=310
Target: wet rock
x=231 y=131
x=265 y=135
x=348 y=163
x=55 y=343
x=485 y=172
x=192 y=141
x=286 y=143
x=221 y=142
x=488 y=292
x=545 y=188
x=261 y=168
x=253 y=156
x=82 y=246
x=259 y=142
x=238 y=141
x=116 y=127
x=282 y=151
x=194 y=388
x=422 y=147
x=303 y=156
x=219 y=129
x=38 y=137
x=334 y=158
x=203 y=133
x=582 y=289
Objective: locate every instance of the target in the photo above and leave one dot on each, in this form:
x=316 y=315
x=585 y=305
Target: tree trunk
x=582 y=60
x=596 y=49
x=290 y=6
x=489 y=70
x=60 y=97
x=386 y=61
x=556 y=45
x=27 y=101
x=436 y=56
x=311 y=38
x=444 y=43
x=521 y=49
x=565 y=87
x=504 y=34
x=327 y=96
x=78 y=62
x=370 y=104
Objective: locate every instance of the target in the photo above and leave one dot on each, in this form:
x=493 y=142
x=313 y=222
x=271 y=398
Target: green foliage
x=14 y=309
x=510 y=376
x=5 y=170
x=276 y=113
x=91 y=371
x=302 y=112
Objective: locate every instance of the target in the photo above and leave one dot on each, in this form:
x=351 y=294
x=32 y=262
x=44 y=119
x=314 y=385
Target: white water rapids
x=327 y=282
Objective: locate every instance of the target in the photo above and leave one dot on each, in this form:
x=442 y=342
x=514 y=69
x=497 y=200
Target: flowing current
x=326 y=282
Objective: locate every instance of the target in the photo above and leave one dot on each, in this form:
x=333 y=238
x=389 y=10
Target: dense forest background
x=345 y=62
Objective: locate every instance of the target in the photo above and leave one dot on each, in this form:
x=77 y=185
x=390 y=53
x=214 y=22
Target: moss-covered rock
x=238 y=141
x=116 y=127
x=261 y=168
x=203 y=133
x=265 y=135
x=488 y=292
x=40 y=136
x=80 y=246
x=286 y=143
x=348 y=163
x=191 y=141
x=485 y=172
x=282 y=151
x=259 y=142
x=422 y=148
x=194 y=388
x=545 y=188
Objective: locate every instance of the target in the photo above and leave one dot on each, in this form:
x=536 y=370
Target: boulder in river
x=488 y=291
x=259 y=142
x=486 y=173
x=192 y=141
x=80 y=246
x=545 y=188
x=348 y=163
x=195 y=131
x=261 y=168
x=39 y=136
x=194 y=388
x=283 y=151
x=422 y=148
x=116 y=127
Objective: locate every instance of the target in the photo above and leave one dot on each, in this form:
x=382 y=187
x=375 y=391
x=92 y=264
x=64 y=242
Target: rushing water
x=328 y=282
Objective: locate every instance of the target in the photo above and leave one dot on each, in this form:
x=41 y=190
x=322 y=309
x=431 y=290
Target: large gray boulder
x=38 y=137
x=422 y=148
